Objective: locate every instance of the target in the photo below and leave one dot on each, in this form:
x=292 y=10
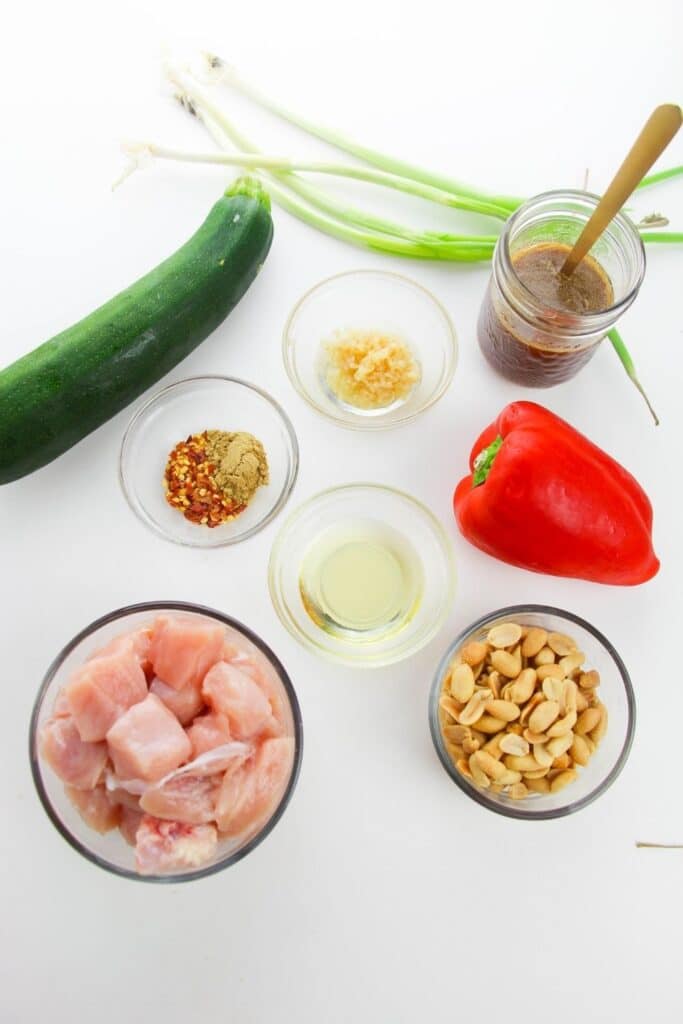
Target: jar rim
x=585 y=323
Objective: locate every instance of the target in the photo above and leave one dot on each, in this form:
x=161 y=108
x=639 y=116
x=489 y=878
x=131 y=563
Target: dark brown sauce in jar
x=522 y=352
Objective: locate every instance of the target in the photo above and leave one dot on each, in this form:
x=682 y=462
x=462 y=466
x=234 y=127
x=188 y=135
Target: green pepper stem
x=484 y=461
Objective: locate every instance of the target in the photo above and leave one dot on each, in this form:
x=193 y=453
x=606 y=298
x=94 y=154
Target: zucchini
x=53 y=397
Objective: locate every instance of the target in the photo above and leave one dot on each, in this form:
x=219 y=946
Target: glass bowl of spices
x=532 y=712
x=370 y=349
x=362 y=574
x=208 y=461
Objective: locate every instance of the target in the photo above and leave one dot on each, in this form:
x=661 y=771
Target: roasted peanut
x=587 y=721
x=589 y=680
x=474 y=653
x=571 y=662
x=462 y=683
x=507 y=664
x=507 y=634
x=502 y=709
x=562 y=725
x=562 y=780
x=543 y=715
x=544 y=657
x=553 y=671
x=489 y=725
x=534 y=641
x=511 y=744
x=561 y=644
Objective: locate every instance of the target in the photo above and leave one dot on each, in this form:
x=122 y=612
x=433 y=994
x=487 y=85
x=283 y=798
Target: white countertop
x=384 y=894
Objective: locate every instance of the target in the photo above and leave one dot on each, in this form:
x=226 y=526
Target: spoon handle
x=659 y=130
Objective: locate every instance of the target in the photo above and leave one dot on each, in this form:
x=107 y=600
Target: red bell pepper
x=542 y=496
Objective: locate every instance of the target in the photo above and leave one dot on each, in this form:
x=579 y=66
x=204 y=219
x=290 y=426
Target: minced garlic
x=369 y=369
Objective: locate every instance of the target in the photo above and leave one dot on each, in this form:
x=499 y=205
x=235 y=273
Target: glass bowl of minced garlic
x=208 y=461
x=370 y=349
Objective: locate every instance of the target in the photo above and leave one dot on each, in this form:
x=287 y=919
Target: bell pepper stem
x=629 y=366
x=484 y=461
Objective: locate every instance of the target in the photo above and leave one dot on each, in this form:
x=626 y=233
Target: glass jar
x=529 y=341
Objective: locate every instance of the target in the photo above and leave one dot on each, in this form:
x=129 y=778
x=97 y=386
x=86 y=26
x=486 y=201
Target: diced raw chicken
x=125 y=792
x=249 y=796
x=101 y=690
x=215 y=761
x=207 y=732
x=188 y=798
x=95 y=807
x=129 y=824
x=263 y=677
x=184 y=649
x=167 y=846
x=231 y=692
x=76 y=762
x=60 y=708
x=147 y=742
x=138 y=642
x=184 y=704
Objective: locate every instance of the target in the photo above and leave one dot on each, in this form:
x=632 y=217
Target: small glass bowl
x=616 y=693
x=189 y=407
x=402 y=514
x=110 y=851
x=373 y=300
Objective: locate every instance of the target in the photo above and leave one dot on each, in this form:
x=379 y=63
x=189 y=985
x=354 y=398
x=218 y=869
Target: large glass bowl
x=402 y=514
x=616 y=693
x=110 y=851
x=188 y=407
x=370 y=300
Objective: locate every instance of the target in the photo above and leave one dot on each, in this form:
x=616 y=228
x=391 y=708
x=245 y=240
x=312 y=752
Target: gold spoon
x=659 y=130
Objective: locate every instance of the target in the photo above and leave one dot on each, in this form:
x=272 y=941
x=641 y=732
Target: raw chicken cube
x=188 y=798
x=137 y=642
x=184 y=704
x=76 y=762
x=95 y=807
x=130 y=823
x=207 y=732
x=231 y=692
x=60 y=708
x=249 y=796
x=266 y=679
x=184 y=649
x=147 y=742
x=101 y=690
x=167 y=846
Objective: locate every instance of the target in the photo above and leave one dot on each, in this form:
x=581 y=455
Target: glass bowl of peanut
x=532 y=712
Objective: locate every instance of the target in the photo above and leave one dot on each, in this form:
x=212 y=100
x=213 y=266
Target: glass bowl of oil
x=384 y=306
x=362 y=574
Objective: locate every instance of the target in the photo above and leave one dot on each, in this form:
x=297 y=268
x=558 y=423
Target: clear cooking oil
x=361 y=581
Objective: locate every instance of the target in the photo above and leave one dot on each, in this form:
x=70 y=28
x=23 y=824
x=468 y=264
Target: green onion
x=322 y=211
x=224 y=73
x=629 y=366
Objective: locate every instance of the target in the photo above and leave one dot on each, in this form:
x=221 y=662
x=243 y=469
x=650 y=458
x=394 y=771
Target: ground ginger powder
x=240 y=464
x=368 y=369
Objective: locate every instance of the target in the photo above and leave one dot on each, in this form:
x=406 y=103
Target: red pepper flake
x=191 y=486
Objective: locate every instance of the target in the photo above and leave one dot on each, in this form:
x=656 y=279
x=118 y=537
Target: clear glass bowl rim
x=370 y=423
x=137 y=508
x=479 y=795
x=319 y=649
x=157 y=606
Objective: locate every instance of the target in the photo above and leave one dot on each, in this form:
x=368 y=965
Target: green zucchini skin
x=53 y=397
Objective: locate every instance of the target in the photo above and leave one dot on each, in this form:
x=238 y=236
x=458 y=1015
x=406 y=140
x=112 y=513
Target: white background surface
x=384 y=895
